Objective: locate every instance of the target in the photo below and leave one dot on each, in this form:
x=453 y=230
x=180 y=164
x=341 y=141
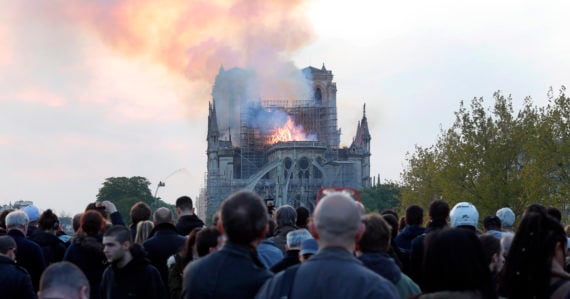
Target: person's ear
x=360 y=232
x=126 y=245
x=83 y=293
x=220 y=226
x=264 y=231
x=313 y=230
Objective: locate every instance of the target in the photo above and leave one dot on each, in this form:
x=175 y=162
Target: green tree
x=493 y=157
x=125 y=192
x=381 y=197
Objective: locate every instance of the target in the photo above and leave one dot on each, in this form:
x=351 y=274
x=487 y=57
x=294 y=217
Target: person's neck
x=127 y=258
x=323 y=244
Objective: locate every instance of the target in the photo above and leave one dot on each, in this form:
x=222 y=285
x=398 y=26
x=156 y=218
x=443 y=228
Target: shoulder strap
x=287 y=282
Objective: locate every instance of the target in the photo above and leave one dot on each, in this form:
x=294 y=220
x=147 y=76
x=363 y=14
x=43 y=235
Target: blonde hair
x=144 y=228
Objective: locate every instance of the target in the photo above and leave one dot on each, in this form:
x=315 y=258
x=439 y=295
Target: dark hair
x=285 y=215
x=244 y=217
x=454 y=261
x=206 y=239
x=555 y=213
x=187 y=252
x=492 y=223
x=3 y=215
x=491 y=246
x=140 y=211
x=184 y=203
x=6 y=244
x=76 y=222
x=528 y=265
x=302 y=217
x=97 y=206
x=48 y=220
x=414 y=215
x=389 y=212
x=393 y=222
x=376 y=237
x=120 y=233
x=402 y=223
x=535 y=208
x=439 y=210
x=91 y=223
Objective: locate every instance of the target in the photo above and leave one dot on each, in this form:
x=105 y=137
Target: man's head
x=8 y=247
x=63 y=280
x=376 y=237
x=414 y=215
x=438 y=210
x=162 y=215
x=336 y=221
x=184 y=205
x=464 y=214
x=302 y=217
x=296 y=237
x=285 y=216
x=33 y=213
x=140 y=211
x=492 y=223
x=117 y=242
x=208 y=240
x=244 y=217
x=17 y=220
x=48 y=221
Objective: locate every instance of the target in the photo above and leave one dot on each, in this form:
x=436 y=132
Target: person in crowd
x=109 y=212
x=285 y=217
x=63 y=280
x=507 y=217
x=129 y=274
x=302 y=217
x=53 y=247
x=402 y=224
x=15 y=282
x=200 y=242
x=414 y=219
x=455 y=267
x=28 y=254
x=464 y=215
x=402 y=259
x=492 y=226
x=309 y=248
x=187 y=220
x=438 y=213
x=267 y=251
x=3 y=215
x=76 y=222
x=143 y=231
x=33 y=215
x=333 y=272
x=506 y=242
x=139 y=212
x=535 y=265
x=177 y=262
x=493 y=255
x=234 y=271
x=294 y=240
x=164 y=241
x=372 y=252
x=86 y=249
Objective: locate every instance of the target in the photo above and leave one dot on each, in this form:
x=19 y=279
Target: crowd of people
x=337 y=251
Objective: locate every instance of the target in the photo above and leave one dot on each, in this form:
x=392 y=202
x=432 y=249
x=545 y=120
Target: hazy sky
x=94 y=89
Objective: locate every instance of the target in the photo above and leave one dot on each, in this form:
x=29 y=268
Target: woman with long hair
x=144 y=228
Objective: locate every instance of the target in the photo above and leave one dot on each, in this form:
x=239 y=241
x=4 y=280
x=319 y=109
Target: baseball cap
x=309 y=246
x=464 y=213
x=507 y=217
x=33 y=212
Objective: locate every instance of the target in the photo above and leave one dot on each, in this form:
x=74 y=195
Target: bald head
x=337 y=220
x=162 y=215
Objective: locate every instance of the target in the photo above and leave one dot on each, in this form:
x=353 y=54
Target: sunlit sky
x=91 y=90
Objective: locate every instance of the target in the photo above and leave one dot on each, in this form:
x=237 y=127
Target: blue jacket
x=233 y=272
x=385 y=266
x=15 y=282
x=164 y=242
x=332 y=273
x=405 y=237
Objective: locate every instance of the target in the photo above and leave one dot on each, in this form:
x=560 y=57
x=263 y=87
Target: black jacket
x=187 y=223
x=15 y=282
x=233 y=272
x=29 y=255
x=87 y=253
x=163 y=243
x=52 y=247
x=291 y=258
x=137 y=279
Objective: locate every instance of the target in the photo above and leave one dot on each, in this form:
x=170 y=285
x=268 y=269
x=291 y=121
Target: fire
x=289 y=132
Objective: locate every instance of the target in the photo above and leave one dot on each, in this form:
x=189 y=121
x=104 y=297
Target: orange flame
x=289 y=132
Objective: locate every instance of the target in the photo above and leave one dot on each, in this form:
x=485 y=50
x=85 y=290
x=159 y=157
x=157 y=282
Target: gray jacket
x=332 y=273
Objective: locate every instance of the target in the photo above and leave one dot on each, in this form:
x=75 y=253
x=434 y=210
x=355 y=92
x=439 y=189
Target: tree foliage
x=381 y=197
x=493 y=157
x=125 y=192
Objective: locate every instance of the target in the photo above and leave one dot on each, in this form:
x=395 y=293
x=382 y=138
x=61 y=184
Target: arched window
x=318 y=96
